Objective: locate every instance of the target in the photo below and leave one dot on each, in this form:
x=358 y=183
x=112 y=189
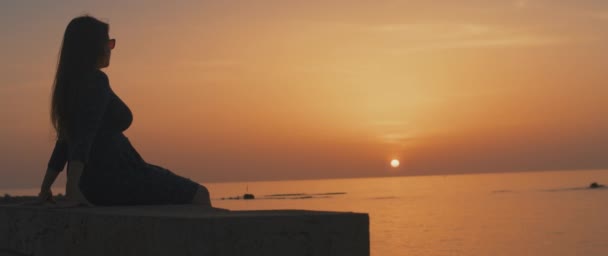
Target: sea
x=527 y=213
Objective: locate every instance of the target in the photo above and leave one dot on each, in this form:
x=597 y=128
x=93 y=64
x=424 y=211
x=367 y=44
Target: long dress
x=114 y=172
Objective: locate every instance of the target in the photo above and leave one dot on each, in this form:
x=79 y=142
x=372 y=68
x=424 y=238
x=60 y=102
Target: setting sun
x=395 y=163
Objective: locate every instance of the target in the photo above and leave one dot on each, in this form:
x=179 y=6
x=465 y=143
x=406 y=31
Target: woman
x=89 y=120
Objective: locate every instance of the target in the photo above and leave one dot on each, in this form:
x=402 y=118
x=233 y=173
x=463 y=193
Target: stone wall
x=180 y=230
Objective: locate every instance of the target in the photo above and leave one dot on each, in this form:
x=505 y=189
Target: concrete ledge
x=180 y=230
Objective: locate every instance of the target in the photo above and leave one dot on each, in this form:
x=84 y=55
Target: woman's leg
x=201 y=197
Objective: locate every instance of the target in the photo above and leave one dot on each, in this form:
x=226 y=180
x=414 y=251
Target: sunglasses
x=112 y=43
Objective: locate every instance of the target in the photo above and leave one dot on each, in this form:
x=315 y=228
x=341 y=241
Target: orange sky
x=265 y=90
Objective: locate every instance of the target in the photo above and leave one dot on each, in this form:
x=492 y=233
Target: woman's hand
x=45 y=196
x=74 y=197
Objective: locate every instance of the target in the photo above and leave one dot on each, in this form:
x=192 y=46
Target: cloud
x=521 y=3
x=388 y=123
x=394 y=131
x=396 y=138
x=436 y=30
x=216 y=63
x=440 y=36
x=601 y=15
x=514 y=41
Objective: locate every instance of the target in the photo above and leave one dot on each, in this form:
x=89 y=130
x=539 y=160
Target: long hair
x=82 y=48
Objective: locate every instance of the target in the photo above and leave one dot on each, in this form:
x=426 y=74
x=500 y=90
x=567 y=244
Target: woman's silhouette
x=89 y=120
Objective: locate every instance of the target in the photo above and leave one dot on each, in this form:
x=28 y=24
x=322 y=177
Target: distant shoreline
x=20 y=191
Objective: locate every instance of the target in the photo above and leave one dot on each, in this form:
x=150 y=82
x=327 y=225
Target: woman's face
x=105 y=59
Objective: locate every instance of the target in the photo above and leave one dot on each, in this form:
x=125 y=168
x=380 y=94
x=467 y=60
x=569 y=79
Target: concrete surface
x=180 y=230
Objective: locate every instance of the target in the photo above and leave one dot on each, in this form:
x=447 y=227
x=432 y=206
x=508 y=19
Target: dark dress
x=114 y=172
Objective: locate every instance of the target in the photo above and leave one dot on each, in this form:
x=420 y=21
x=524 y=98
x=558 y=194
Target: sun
x=395 y=163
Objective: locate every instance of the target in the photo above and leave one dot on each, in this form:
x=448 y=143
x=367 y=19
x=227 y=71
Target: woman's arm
x=55 y=165
x=49 y=178
x=91 y=108
x=74 y=196
x=72 y=189
x=46 y=195
x=92 y=105
x=59 y=156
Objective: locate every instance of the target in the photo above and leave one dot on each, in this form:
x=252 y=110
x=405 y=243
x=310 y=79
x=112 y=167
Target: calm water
x=548 y=213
